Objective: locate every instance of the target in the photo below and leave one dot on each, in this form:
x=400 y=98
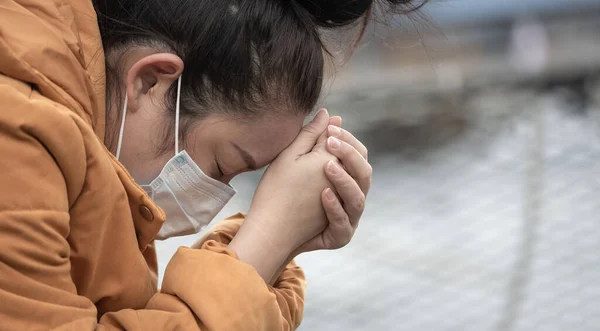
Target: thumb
x=310 y=133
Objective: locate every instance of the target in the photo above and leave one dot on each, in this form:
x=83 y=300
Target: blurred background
x=482 y=120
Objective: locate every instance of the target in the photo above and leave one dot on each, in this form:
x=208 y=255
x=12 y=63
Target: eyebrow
x=250 y=162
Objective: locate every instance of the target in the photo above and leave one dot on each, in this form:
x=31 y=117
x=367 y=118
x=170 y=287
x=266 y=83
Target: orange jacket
x=76 y=232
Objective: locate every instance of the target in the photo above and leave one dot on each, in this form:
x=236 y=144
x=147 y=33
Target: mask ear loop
x=122 y=130
x=177 y=115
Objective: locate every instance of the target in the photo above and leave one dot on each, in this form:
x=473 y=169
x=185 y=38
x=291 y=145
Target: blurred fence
x=484 y=213
x=486 y=218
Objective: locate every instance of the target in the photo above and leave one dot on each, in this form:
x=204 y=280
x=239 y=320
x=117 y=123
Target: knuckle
x=341 y=218
x=359 y=202
x=368 y=174
x=341 y=243
x=344 y=239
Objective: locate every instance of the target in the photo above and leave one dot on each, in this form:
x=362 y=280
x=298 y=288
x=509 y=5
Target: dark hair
x=240 y=56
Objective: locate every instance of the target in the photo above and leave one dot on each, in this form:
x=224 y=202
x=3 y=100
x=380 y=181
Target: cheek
x=144 y=172
x=205 y=164
x=227 y=179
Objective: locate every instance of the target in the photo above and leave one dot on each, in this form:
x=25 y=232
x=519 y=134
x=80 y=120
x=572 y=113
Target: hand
x=352 y=185
x=287 y=200
x=286 y=210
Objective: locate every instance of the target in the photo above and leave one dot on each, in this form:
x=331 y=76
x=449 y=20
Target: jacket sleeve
x=208 y=288
x=40 y=178
x=290 y=286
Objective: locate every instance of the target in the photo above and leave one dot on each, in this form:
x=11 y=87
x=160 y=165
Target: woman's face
x=222 y=146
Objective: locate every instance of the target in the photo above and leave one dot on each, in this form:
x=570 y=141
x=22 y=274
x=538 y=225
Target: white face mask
x=189 y=198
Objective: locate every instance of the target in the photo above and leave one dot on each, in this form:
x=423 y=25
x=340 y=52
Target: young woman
x=122 y=122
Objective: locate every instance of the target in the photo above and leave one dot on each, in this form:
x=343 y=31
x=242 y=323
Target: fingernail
x=320 y=114
x=334 y=131
x=333 y=142
x=329 y=195
x=333 y=168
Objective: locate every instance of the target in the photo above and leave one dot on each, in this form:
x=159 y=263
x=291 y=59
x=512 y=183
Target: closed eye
x=221 y=174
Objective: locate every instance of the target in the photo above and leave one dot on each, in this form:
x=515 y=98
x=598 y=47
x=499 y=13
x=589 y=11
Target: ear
x=152 y=74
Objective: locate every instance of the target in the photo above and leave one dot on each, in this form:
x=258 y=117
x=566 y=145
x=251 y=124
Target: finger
x=310 y=133
x=348 y=190
x=340 y=230
x=352 y=161
x=335 y=120
x=348 y=137
x=322 y=139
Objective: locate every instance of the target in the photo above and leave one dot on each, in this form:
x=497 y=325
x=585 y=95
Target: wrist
x=255 y=248
x=296 y=252
x=274 y=231
x=289 y=259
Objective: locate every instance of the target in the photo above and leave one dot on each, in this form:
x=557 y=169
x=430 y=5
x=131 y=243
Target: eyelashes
x=220 y=171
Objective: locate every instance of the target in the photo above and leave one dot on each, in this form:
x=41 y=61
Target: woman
x=122 y=122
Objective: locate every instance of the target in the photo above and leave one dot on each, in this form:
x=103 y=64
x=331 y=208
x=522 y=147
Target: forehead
x=263 y=137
